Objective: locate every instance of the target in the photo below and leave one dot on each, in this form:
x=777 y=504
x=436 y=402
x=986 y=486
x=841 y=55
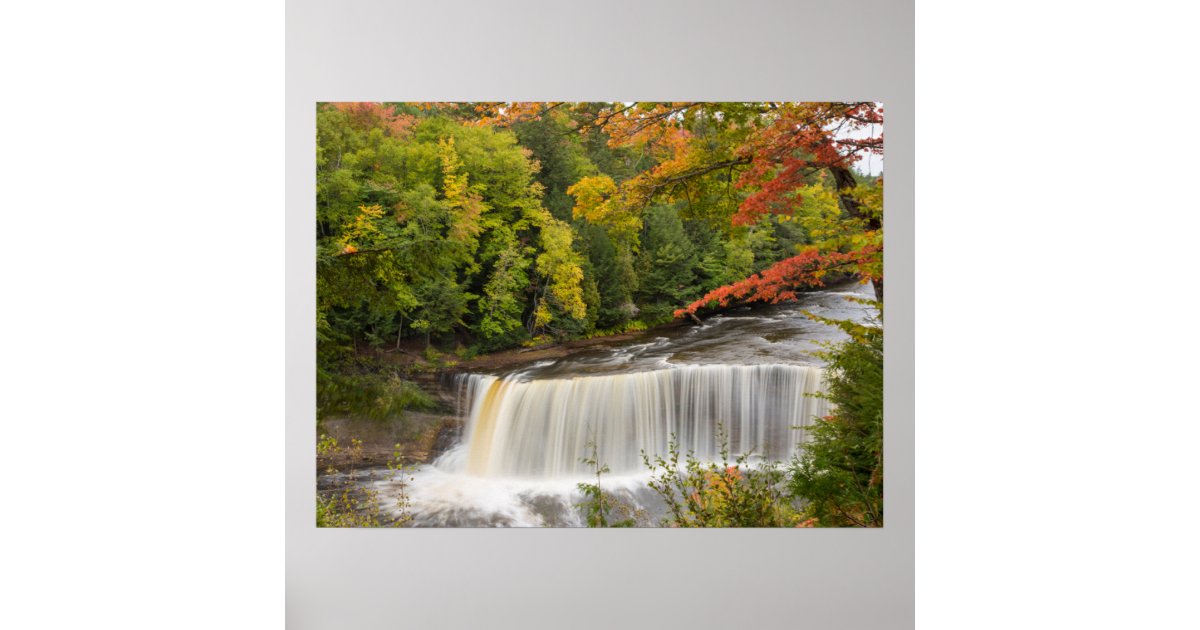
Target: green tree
x=502 y=304
x=665 y=266
x=840 y=473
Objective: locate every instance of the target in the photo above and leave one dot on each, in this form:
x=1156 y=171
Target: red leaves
x=805 y=137
x=781 y=282
x=372 y=115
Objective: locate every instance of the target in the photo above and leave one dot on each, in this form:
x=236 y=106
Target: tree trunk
x=844 y=180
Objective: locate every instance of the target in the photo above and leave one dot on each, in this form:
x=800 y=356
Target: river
x=750 y=373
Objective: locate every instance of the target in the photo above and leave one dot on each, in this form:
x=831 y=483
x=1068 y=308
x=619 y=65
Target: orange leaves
x=776 y=146
x=637 y=124
x=718 y=490
x=372 y=115
x=781 y=282
x=506 y=113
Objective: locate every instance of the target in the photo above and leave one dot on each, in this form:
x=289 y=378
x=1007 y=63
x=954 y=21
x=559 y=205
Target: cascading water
x=542 y=428
x=526 y=433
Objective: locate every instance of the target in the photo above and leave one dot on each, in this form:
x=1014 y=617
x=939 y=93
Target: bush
x=722 y=494
x=369 y=395
x=348 y=504
x=840 y=473
x=601 y=509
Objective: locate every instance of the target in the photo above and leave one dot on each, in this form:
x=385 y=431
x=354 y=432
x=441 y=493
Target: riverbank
x=414 y=438
x=418 y=437
x=422 y=364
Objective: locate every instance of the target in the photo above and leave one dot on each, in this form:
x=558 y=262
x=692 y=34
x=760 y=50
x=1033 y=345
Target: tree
x=666 y=267
x=433 y=224
x=782 y=281
x=561 y=295
x=502 y=303
x=596 y=202
x=471 y=217
x=767 y=152
x=840 y=474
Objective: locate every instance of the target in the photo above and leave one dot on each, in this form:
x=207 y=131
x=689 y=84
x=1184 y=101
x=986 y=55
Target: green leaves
x=840 y=474
x=492 y=223
x=430 y=220
x=502 y=302
x=728 y=493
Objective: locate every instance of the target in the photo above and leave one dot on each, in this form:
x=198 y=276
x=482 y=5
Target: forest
x=446 y=232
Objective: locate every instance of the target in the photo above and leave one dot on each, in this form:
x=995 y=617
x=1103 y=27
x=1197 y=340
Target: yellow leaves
x=593 y=197
x=560 y=265
x=454 y=183
x=597 y=201
x=870 y=198
x=820 y=213
x=363 y=229
x=541 y=315
x=465 y=206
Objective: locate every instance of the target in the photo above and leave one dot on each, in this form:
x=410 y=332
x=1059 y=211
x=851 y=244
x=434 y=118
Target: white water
x=518 y=460
x=541 y=428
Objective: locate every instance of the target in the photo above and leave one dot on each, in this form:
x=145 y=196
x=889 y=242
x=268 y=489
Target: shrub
x=840 y=473
x=728 y=493
x=350 y=505
x=600 y=508
x=369 y=395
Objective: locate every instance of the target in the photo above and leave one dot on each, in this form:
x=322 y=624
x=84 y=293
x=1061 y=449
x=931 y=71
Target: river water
x=747 y=374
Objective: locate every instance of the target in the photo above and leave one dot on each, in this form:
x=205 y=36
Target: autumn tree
x=496 y=222
x=734 y=163
x=432 y=226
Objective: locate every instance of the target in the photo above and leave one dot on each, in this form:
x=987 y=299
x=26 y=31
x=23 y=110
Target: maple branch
x=864 y=143
x=599 y=126
x=663 y=115
x=749 y=294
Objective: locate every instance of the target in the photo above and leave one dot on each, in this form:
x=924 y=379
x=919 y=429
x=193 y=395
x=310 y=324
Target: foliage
x=492 y=223
x=595 y=202
x=431 y=227
x=375 y=395
x=728 y=493
x=781 y=281
x=840 y=473
x=600 y=508
x=667 y=265
x=502 y=304
x=351 y=504
x=562 y=295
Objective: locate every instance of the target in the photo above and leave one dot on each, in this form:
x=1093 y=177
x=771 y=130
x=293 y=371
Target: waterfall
x=540 y=428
